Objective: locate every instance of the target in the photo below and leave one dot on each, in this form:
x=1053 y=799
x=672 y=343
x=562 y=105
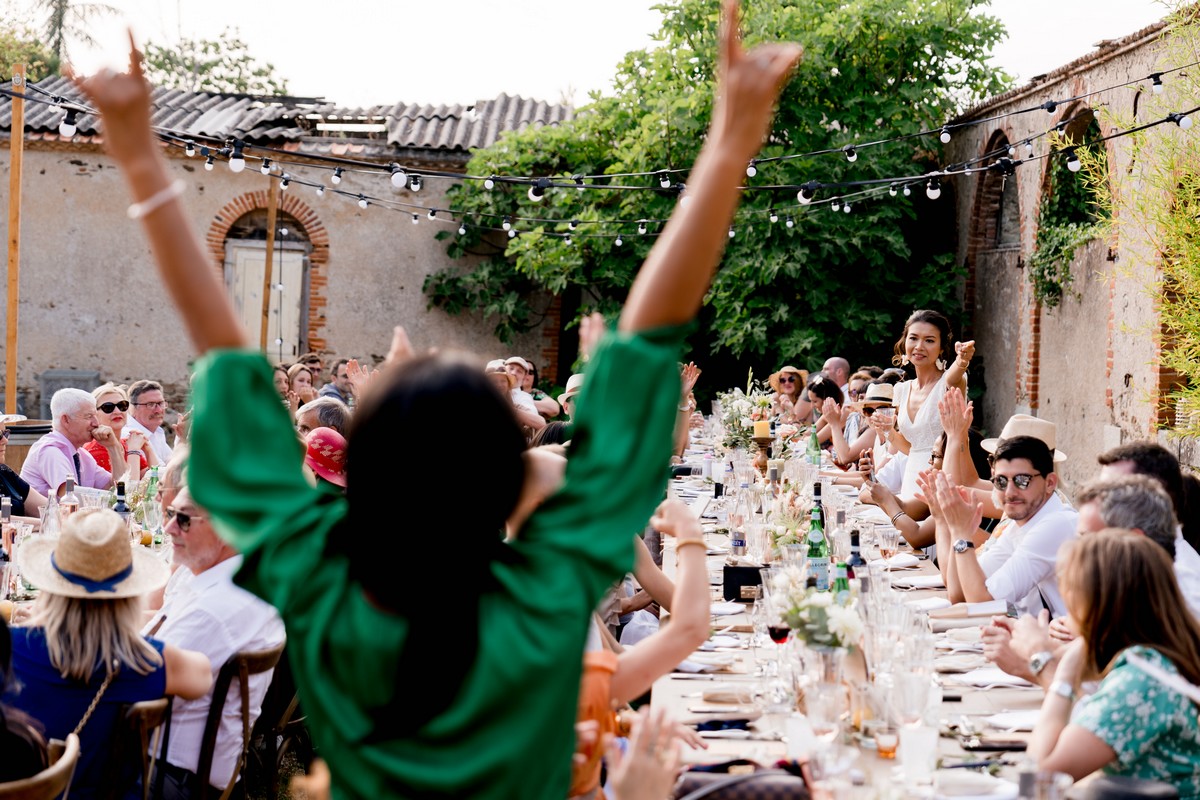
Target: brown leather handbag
x=743 y=780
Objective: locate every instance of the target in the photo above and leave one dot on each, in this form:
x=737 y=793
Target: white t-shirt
x=524 y=401
x=1019 y=565
x=1187 y=572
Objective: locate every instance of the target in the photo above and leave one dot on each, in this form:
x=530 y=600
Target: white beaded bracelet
x=156 y=200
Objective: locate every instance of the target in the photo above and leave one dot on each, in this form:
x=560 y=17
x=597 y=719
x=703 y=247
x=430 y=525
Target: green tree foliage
x=208 y=65
x=840 y=282
x=67 y=20
x=22 y=46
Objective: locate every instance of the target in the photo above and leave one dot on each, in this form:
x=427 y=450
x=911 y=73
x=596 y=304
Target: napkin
x=871 y=514
x=899 y=561
x=721 y=641
x=928 y=603
x=706 y=662
x=1014 y=720
x=959 y=662
x=988 y=676
x=964 y=784
x=726 y=609
x=918 y=581
x=728 y=693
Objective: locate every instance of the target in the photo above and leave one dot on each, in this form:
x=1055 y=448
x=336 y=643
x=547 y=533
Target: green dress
x=1154 y=730
x=509 y=733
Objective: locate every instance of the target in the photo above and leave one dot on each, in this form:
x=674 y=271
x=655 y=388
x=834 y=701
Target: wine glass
x=911 y=695
x=889 y=541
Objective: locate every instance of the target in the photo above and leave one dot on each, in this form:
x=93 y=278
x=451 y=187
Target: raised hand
x=647 y=769
x=123 y=100
x=831 y=412
x=962 y=518
x=956 y=414
x=689 y=375
x=965 y=351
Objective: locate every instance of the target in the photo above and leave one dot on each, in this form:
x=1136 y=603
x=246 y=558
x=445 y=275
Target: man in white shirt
x=1018 y=565
x=837 y=369
x=203 y=610
x=147 y=410
x=523 y=400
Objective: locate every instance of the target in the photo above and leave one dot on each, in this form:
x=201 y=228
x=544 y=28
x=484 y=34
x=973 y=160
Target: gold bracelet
x=896 y=516
x=685 y=542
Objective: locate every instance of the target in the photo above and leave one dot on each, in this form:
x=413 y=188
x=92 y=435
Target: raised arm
x=123 y=101
x=672 y=282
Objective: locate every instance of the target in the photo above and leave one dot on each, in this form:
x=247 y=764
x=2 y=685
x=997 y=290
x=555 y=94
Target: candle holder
x=762 y=453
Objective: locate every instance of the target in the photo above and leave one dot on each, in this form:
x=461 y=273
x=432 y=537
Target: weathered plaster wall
x=90 y=296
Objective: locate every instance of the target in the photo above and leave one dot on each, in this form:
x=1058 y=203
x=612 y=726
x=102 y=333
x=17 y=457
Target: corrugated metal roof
x=294 y=123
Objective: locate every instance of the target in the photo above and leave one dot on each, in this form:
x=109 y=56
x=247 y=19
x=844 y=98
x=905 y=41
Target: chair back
x=281 y=729
x=241 y=666
x=51 y=782
x=142 y=720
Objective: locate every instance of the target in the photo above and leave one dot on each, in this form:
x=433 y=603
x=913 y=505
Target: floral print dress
x=1154 y=730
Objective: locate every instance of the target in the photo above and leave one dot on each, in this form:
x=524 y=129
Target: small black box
x=741 y=584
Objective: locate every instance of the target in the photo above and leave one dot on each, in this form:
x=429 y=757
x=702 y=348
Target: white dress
x=920 y=431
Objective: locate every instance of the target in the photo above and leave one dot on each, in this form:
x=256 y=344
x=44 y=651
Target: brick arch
x=318 y=258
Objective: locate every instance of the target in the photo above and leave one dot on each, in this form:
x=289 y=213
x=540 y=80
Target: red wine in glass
x=778 y=633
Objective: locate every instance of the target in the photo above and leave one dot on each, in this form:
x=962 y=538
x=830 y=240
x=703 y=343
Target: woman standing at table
x=1137 y=639
x=925 y=345
x=489 y=670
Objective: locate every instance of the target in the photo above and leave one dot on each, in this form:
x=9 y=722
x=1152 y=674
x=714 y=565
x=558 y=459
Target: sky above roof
x=368 y=52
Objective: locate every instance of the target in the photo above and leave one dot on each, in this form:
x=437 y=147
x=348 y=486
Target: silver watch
x=962 y=545
x=1039 y=660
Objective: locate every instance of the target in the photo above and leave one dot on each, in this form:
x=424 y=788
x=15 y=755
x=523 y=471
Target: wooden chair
x=242 y=666
x=50 y=782
x=280 y=729
x=143 y=719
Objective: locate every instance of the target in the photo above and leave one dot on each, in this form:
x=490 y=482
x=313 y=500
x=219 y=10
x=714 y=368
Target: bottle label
x=818 y=566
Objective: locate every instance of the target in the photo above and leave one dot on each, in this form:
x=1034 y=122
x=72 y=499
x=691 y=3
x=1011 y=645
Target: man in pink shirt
x=60 y=454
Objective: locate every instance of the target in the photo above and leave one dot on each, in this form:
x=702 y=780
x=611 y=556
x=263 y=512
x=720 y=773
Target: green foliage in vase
x=834 y=282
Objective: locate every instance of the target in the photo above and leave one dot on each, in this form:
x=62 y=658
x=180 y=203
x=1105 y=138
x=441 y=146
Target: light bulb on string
x=641 y=227
x=208 y=163
x=568 y=241
x=1012 y=151
x=846 y=208
x=67 y=127
x=336 y=178
x=944 y=136
x=189 y=148
x=265 y=167
x=1156 y=84
x=751 y=169
x=664 y=179
x=512 y=233
x=773 y=216
x=433 y=213
x=578 y=182
x=506 y=224
x=1028 y=148
x=415 y=183
x=805 y=195
x=1182 y=120
x=320 y=190
x=462 y=229
x=237 y=161
x=618 y=241
x=892 y=190
x=851 y=153
x=489 y=183
x=399 y=176
x=791 y=223
x=416 y=220
x=907 y=190
x=362 y=202
x=1073 y=162
x=731 y=232
x=284 y=181
x=933 y=189
x=836 y=206
x=573 y=224
x=536 y=192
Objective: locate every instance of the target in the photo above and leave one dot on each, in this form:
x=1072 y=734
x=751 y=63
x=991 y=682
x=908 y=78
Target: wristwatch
x=1039 y=660
x=962 y=545
x=1063 y=690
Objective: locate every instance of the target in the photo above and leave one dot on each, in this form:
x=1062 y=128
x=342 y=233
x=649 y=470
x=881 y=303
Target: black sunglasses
x=184 y=520
x=1021 y=481
x=4 y=434
x=786 y=380
x=108 y=408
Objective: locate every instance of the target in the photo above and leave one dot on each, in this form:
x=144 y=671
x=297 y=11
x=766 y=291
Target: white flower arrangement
x=740 y=409
x=814 y=617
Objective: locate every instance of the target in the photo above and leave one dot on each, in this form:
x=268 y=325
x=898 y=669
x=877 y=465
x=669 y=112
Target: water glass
x=918 y=753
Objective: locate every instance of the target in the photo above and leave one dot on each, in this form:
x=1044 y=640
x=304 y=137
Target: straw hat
x=773 y=378
x=92 y=559
x=1025 y=425
x=574 y=384
x=496 y=367
x=325 y=454
x=878 y=394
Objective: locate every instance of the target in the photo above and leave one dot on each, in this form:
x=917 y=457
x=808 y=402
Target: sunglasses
x=1020 y=481
x=184 y=520
x=4 y=434
x=786 y=380
x=108 y=408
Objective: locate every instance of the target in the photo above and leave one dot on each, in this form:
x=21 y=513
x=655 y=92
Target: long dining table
x=963 y=708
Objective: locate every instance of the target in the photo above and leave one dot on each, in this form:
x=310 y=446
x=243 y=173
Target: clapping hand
x=688 y=376
x=962 y=518
x=956 y=414
x=136 y=440
x=646 y=770
x=831 y=412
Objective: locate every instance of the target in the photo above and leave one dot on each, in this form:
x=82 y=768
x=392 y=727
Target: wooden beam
x=272 y=212
x=16 y=152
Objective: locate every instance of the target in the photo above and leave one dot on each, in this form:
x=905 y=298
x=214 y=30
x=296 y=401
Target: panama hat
x=325 y=454
x=574 y=385
x=92 y=559
x=773 y=378
x=522 y=362
x=878 y=394
x=1025 y=425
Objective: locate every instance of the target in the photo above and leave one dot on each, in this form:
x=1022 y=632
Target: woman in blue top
x=1137 y=638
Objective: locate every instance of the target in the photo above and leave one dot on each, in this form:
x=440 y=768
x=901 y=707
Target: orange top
x=595 y=703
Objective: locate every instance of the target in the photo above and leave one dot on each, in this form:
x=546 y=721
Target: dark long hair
x=938 y=320
x=403 y=482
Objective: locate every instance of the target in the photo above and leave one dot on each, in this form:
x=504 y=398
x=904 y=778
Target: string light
x=752 y=169
x=567 y=240
x=320 y=190
x=433 y=213
x=933 y=189
x=573 y=224
x=641 y=227
x=399 y=176
x=1028 y=148
x=538 y=190
x=489 y=183
x=189 y=149
x=664 y=179
x=774 y=217
x=1182 y=120
x=731 y=232
x=805 y=195
x=851 y=153
x=208 y=163
x=578 y=183
x=265 y=169
x=284 y=181
x=907 y=190
x=237 y=161
x=67 y=127
x=836 y=206
x=945 y=135
x=1156 y=84
x=362 y=202
x=618 y=241
x=512 y=234
x=507 y=223
x=892 y=190
x=414 y=183
x=791 y=223
x=1012 y=151
x=1073 y=163
x=462 y=229
x=846 y=208
x=416 y=220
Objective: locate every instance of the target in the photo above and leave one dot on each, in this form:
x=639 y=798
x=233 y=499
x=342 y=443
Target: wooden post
x=16 y=153
x=272 y=211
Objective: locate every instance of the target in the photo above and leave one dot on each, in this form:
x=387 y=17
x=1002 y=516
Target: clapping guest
x=496 y=698
x=1132 y=639
x=790 y=401
x=112 y=405
x=821 y=388
x=300 y=381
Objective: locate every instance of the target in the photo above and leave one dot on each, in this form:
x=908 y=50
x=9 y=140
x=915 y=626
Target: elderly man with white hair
x=60 y=454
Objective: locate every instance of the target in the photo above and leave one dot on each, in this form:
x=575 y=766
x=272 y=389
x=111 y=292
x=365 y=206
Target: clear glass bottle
x=68 y=504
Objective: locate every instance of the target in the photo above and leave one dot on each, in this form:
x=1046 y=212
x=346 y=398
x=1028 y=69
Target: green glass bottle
x=814 y=448
x=818 y=552
x=841 y=585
